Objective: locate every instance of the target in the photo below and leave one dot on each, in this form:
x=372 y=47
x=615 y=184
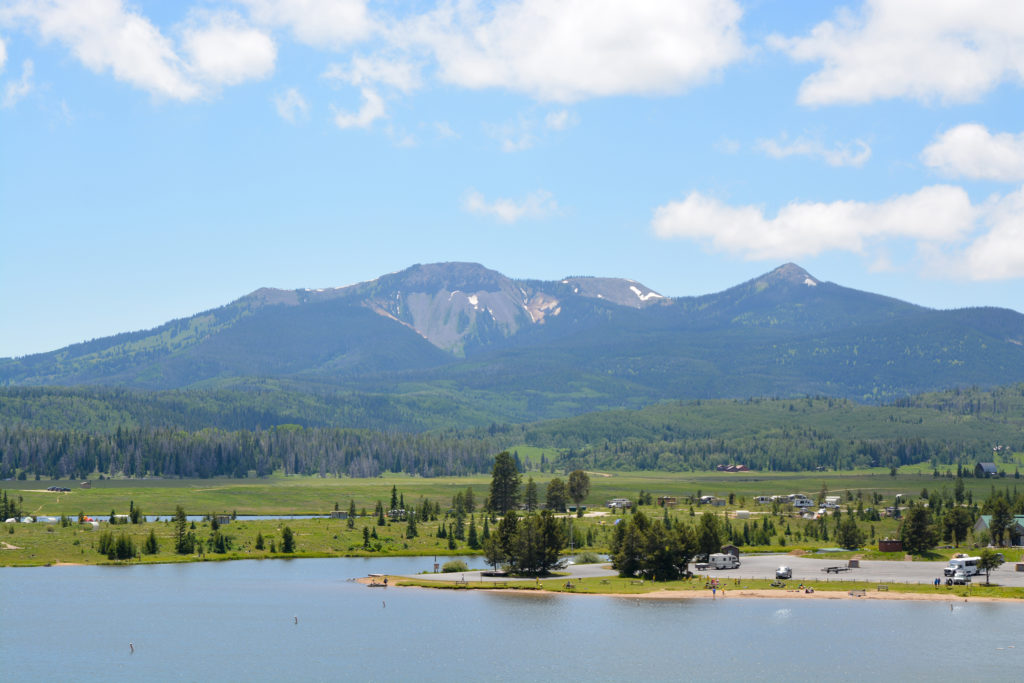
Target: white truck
x=967 y=565
x=719 y=561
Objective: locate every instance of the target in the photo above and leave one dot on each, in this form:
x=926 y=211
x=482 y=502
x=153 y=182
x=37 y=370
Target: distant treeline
x=213 y=453
x=74 y=432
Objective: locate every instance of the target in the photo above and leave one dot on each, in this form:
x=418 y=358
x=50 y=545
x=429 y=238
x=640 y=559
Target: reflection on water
x=236 y=621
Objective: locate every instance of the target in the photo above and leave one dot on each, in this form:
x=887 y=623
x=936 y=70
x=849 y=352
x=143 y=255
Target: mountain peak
x=789 y=273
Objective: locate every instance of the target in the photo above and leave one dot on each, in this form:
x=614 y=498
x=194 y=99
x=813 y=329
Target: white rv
x=723 y=561
x=968 y=565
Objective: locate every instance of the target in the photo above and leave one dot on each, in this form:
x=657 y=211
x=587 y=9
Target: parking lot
x=807 y=569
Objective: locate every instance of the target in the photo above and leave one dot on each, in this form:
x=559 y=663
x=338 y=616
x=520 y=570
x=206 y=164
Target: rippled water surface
x=233 y=621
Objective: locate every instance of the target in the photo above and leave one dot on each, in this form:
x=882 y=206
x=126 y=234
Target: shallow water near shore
x=228 y=621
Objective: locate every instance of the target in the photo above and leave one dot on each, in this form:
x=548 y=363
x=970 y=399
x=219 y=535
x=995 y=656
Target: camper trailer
x=720 y=561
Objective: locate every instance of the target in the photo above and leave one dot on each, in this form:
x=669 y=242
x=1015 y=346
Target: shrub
x=454 y=566
x=587 y=558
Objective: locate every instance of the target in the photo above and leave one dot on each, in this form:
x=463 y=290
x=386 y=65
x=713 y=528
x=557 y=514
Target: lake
x=229 y=621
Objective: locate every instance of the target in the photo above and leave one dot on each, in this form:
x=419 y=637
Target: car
x=783 y=573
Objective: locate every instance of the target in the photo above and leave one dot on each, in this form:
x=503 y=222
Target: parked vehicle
x=723 y=561
x=968 y=565
x=959 y=578
x=783 y=573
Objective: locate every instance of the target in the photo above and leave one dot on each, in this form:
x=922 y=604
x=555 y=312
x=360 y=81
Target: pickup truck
x=959 y=578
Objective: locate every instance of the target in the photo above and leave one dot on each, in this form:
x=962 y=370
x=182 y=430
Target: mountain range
x=527 y=349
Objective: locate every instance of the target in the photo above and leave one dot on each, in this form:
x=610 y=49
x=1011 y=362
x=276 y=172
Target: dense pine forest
x=72 y=433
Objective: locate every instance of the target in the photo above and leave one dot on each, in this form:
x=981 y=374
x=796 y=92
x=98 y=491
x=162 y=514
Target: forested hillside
x=73 y=433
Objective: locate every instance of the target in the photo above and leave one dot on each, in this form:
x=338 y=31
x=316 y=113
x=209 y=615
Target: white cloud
x=998 y=254
x=369 y=71
x=226 y=51
x=978 y=242
x=372 y=109
x=291 y=105
x=104 y=35
x=854 y=153
x=576 y=49
x=951 y=50
x=560 y=120
x=970 y=151
x=319 y=23
x=940 y=213
x=14 y=91
x=537 y=204
x=3 y=54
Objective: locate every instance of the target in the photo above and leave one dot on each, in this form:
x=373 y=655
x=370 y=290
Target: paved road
x=805 y=570
x=809 y=570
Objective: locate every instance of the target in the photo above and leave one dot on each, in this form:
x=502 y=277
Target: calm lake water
x=234 y=621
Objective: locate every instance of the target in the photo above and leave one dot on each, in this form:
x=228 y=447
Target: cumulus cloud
x=291 y=105
x=854 y=153
x=970 y=151
x=949 y=50
x=940 y=213
x=372 y=109
x=577 y=49
x=539 y=204
x=998 y=254
x=227 y=52
x=104 y=35
x=14 y=91
x=975 y=241
x=318 y=23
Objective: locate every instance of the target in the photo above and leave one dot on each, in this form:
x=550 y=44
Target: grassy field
x=295 y=495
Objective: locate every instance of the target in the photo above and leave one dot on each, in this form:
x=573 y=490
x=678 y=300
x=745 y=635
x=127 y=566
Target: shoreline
x=702 y=594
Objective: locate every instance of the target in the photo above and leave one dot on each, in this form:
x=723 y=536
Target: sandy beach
x=728 y=594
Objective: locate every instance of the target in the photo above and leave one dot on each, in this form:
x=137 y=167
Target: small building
x=986 y=469
x=86 y=484
x=572 y=508
x=620 y=503
x=890 y=545
x=667 y=501
x=764 y=500
x=339 y=514
x=718 y=502
x=223 y=519
x=742 y=514
x=731 y=550
x=397 y=515
x=1015 y=530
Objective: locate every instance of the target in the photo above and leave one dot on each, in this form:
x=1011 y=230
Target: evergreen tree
x=287 y=540
x=181 y=545
x=472 y=541
x=151 y=547
x=504 y=483
x=351 y=522
x=848 y=534
x=380 y=515
x=366 y=537
x=918 y=532
x=394 y=498
x=259 y=541
x=530 y=498
x=410 y=527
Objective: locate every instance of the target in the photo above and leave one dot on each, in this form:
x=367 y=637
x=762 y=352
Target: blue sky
x=158 y=159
